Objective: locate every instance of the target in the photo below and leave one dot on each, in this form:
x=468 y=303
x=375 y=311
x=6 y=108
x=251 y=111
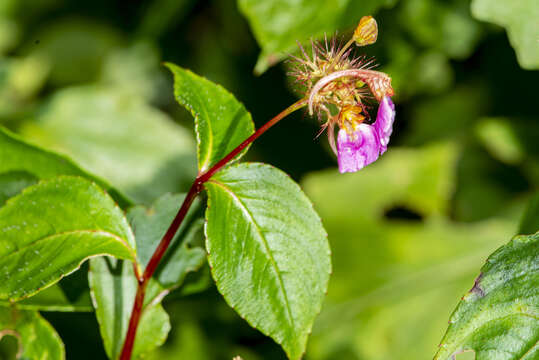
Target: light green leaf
x=96 y=127
x=221 y=122
x=268 y=251
x=520 y=20
x=136 y=71
x=27 y=160
x=36 y=337
x=182 y=256
x=395 y=277
x=48 y=230
x=278 y=24
x=113 y=286
x=9 y=33
x=501 y=139
x=499 y=317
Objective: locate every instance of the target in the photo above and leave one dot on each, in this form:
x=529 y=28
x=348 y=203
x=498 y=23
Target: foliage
x=96 y=158
x=283 y=271
x=416 y=261
x=497 y=318
x=521 y=23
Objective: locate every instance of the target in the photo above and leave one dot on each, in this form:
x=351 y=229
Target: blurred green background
x=408 y=233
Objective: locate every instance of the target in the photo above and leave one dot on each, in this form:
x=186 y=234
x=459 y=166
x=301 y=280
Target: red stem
x=195 y=189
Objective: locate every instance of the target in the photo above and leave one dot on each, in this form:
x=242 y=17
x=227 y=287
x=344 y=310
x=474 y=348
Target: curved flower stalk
x=332 y=79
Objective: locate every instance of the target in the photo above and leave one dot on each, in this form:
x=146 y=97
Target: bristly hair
x=325 y=57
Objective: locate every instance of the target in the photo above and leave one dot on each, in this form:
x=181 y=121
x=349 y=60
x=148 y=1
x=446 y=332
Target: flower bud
x=366 y=32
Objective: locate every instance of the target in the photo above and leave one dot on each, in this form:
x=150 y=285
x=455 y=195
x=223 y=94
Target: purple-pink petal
x=384 y=122
x=358 y=150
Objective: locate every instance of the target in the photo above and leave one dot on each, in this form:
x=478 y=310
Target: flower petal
x=384 y=121
x=358 y=150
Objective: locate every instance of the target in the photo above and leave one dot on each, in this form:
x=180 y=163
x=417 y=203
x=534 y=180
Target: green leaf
x=96 y=126
x=268 y=251
x=136 y=71
x=182 y=256
x=70 y=294
x=278 y=24
x=499 y=317
x=395 y=277
x=520 y=20
x=48 y=230
x=14 y=182
x=444 y=25
x=221 y=122
x=113 y=286
x=18 y=156
x=54 y=298
x=501 y=140
x=35 y=336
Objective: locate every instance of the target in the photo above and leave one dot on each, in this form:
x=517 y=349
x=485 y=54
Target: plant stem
x=195 y=189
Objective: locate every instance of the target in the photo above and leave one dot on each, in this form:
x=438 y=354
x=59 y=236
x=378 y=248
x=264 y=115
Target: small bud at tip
x=366 y=32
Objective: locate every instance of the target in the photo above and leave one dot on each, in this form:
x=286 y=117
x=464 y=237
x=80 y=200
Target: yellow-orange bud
x=366 y=32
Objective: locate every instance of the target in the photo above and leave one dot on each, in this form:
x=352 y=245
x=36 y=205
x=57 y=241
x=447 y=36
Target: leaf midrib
x=207 y=159
x=265 y=243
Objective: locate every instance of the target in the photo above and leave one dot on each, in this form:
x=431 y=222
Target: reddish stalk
x=195 y=189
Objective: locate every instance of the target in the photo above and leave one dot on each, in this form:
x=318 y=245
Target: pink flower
x=384 y=122
x=366 y=143
x=357 y=150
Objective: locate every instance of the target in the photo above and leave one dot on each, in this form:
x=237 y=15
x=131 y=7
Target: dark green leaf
x=268 y=251
x=520 y=20
x=74 y=48
x=530 y=221
x=113 y=286
x=162 y=14
x=221 y=122
x=444 y=25
x=96 y=126
x=182 y=255
x=16 y=155
x=499 y=317
x=48 y=230
x=278 y=24
x=36 y=337
x=12 y=183
x=182 y=258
